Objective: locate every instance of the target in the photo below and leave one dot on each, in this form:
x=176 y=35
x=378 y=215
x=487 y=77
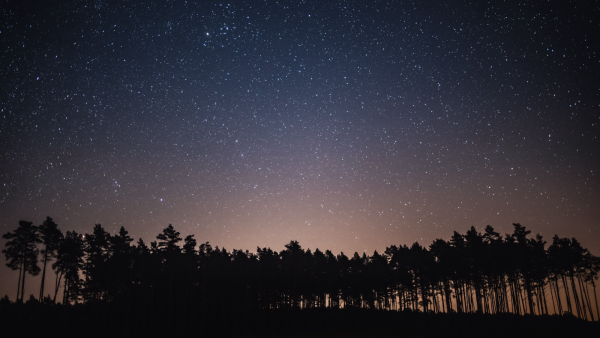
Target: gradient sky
x=346 y=125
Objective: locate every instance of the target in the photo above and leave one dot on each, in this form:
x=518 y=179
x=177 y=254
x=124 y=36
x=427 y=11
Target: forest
x=106 y=278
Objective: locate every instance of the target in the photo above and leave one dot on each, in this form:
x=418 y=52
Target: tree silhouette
x=22 y=253
x=181 y=282
x=119 y=262
x=69 y=261
x=168 y=240
x=169 y=251
x=51 y=237
x=191 y=268
x=293 y=264
x=97 y=274
x=443 y=254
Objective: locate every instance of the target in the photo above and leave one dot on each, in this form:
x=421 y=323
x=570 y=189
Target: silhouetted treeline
x=180 y=281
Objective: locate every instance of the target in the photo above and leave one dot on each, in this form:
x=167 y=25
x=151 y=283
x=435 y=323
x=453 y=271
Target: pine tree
x=120 y=262
x=69 y=261
x=96 y=268
x=22 y=252
x=51 y=237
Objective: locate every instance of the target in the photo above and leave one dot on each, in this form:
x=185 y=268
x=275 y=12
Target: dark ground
x=105 y=320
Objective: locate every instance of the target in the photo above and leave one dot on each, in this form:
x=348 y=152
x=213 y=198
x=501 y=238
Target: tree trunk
x=568 y=298
x=23 y=283
x=57 y=286
x=580 y=311
x=585 y=298
x=552 y=296
x=44 y=274
x=529 y=296
x=204 y=307
x=557 y=293
x=19 y=281
x=66 y=291
x=596 y=299
x=545 y=300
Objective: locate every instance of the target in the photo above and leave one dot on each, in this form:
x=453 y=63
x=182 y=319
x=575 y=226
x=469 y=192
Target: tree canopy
x=469 y=273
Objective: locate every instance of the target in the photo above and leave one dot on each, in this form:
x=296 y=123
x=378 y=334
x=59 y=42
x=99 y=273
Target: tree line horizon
x=470 y=273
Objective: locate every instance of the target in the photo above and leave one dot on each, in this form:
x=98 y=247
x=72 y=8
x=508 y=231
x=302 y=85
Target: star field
x=349 y=126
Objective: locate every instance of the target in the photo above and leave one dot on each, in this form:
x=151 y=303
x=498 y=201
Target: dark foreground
x=106 y=320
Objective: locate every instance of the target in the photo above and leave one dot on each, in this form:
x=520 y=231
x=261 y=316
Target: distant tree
x=120 y=262
x=343 y=280
x=493 y=269
x=320 y=272
x=22 y=253
x=96 y=269
x=51 y=237
x=269 y=271
x=191 y=258
x=421 y=262
x=475 y=253
x=167 y=241
x=69 y=261
x=443 y=252
x=574 y=267
x=32 y=301
x=169 y=250
x=5 y=302
x=189 y=248
x=379 y=279
x=593 y=268
x=522 y=250
x=141 y=262
x=121 y=243
x=332 y=280
x=293 y=261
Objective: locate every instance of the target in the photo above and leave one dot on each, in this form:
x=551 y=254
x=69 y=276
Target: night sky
x=345 y=125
